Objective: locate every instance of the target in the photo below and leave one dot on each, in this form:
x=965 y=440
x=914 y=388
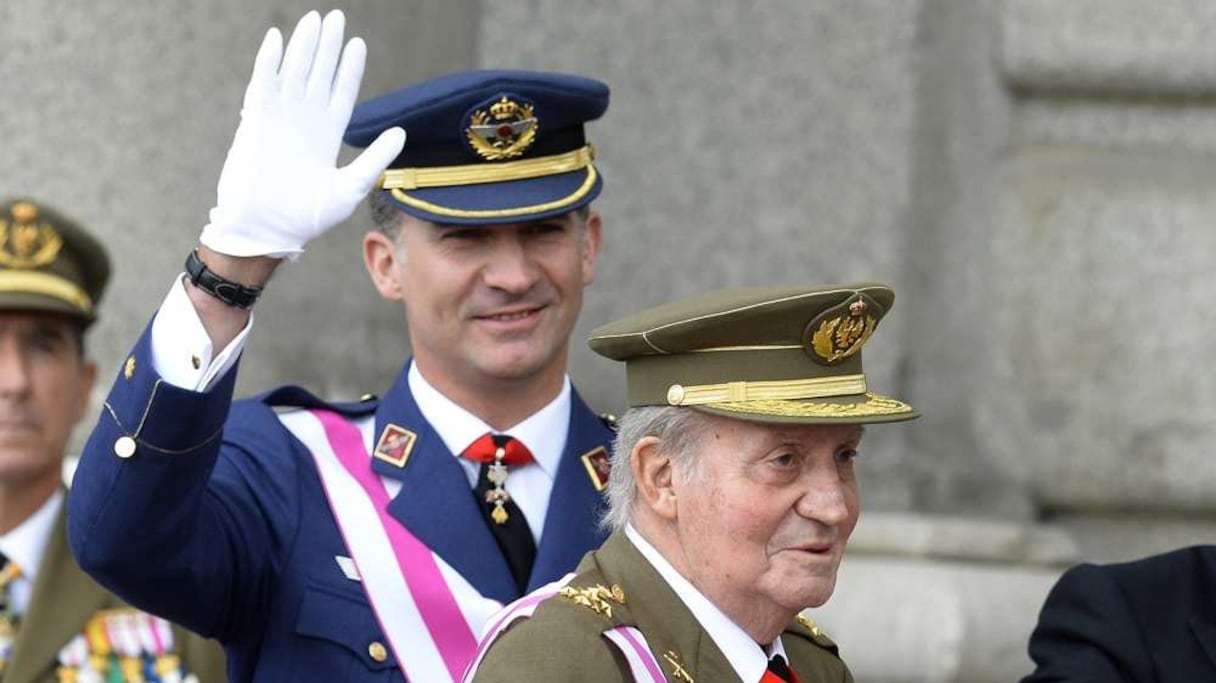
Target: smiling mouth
x=511 y=316
x=815 y=549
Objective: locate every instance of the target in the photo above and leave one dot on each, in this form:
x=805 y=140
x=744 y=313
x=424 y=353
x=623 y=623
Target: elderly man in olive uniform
x=732 y=496
x=56 y=623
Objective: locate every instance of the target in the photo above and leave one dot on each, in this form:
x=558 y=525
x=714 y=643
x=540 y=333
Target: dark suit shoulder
x=1117 y=621
x=1161 y=571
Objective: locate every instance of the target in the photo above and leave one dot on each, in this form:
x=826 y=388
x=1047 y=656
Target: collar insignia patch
x=395 y=445
x=598 y=465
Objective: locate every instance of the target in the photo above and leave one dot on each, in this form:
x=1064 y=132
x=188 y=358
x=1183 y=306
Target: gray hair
x=386 y=217
x=680 y=431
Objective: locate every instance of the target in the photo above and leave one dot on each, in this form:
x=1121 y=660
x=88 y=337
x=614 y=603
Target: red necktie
x=485 y=448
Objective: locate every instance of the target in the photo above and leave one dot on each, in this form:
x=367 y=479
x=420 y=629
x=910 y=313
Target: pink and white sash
x=642 y=664
x=428 y=612
x=633 y=646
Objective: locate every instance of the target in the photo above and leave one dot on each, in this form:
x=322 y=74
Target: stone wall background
x=1032 y=176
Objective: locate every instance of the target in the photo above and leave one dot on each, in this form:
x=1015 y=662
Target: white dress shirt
x=181 y=348
x=182 y=355
x=746 y=657
x=544 y=433
x=26 y=546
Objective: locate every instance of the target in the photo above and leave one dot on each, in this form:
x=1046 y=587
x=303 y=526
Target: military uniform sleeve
x=1086 y=632
x=171 y=515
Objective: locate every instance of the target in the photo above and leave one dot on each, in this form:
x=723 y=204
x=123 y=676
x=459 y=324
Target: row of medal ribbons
x=123 y=646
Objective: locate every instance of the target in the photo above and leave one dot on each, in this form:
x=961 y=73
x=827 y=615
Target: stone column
x=1100 y=271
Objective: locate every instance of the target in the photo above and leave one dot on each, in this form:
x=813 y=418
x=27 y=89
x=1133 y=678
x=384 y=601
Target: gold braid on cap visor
x=399 y=180
x=768 y=390
x=45 y=284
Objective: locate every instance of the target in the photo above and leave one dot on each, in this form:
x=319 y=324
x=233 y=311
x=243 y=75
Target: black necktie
x=778 y=668
x=512 y=533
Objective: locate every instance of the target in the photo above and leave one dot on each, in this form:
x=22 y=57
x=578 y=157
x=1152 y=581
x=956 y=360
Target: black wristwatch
x=232 y=293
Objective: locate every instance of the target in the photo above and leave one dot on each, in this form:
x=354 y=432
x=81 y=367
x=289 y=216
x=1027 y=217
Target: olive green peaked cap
x=765 y=354
x=48 y=262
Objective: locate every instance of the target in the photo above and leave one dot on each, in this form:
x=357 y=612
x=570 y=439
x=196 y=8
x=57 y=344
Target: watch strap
x=232 y=293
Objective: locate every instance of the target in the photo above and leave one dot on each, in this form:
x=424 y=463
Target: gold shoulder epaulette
x=596 y=598
x=810 y=625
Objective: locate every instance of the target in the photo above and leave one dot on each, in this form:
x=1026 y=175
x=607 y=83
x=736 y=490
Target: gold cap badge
x=834 y=336
x=25 y=242
x=504 y=130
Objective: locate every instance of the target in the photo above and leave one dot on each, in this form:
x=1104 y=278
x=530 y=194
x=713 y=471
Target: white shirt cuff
x=181 y=348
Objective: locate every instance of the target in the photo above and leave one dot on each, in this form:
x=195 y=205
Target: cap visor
x=858 y=409
x=38 y=303
x=514 y=201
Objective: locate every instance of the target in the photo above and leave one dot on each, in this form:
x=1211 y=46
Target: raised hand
x=280 y=186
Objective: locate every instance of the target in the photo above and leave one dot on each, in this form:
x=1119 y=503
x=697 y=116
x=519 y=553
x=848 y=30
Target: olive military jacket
x=63 y=602
x=563 y=640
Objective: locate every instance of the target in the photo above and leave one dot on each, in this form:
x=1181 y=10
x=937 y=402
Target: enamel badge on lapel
x=502 y=130
x=839 y=332
x=395 y=445
x=25 y=242
x=598 y=465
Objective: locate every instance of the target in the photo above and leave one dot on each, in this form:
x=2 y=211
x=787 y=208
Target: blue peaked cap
x=488 y=146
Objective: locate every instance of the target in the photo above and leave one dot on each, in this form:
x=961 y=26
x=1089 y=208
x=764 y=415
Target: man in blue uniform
x=370 y=541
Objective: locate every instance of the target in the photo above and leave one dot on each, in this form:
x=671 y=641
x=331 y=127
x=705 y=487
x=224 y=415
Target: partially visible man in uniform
x=732 y=496
x=1148 y=621
x=56 y=623
x=366 y=541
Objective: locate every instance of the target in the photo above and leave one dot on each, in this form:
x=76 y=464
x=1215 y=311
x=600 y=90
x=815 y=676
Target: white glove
x=280 y=186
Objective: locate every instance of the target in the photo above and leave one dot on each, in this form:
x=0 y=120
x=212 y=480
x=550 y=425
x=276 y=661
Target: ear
x=84 y=390
x=591 y=246
x=383 y=262
x=653 y=474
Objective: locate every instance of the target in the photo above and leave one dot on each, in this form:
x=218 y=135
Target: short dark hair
x=384 y=213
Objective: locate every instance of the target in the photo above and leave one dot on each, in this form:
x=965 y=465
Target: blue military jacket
x=211 y=514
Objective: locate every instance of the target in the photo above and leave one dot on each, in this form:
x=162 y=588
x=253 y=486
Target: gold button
x=124 y=447
x=367 y=397
x=377 y=651
x=128 y=370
